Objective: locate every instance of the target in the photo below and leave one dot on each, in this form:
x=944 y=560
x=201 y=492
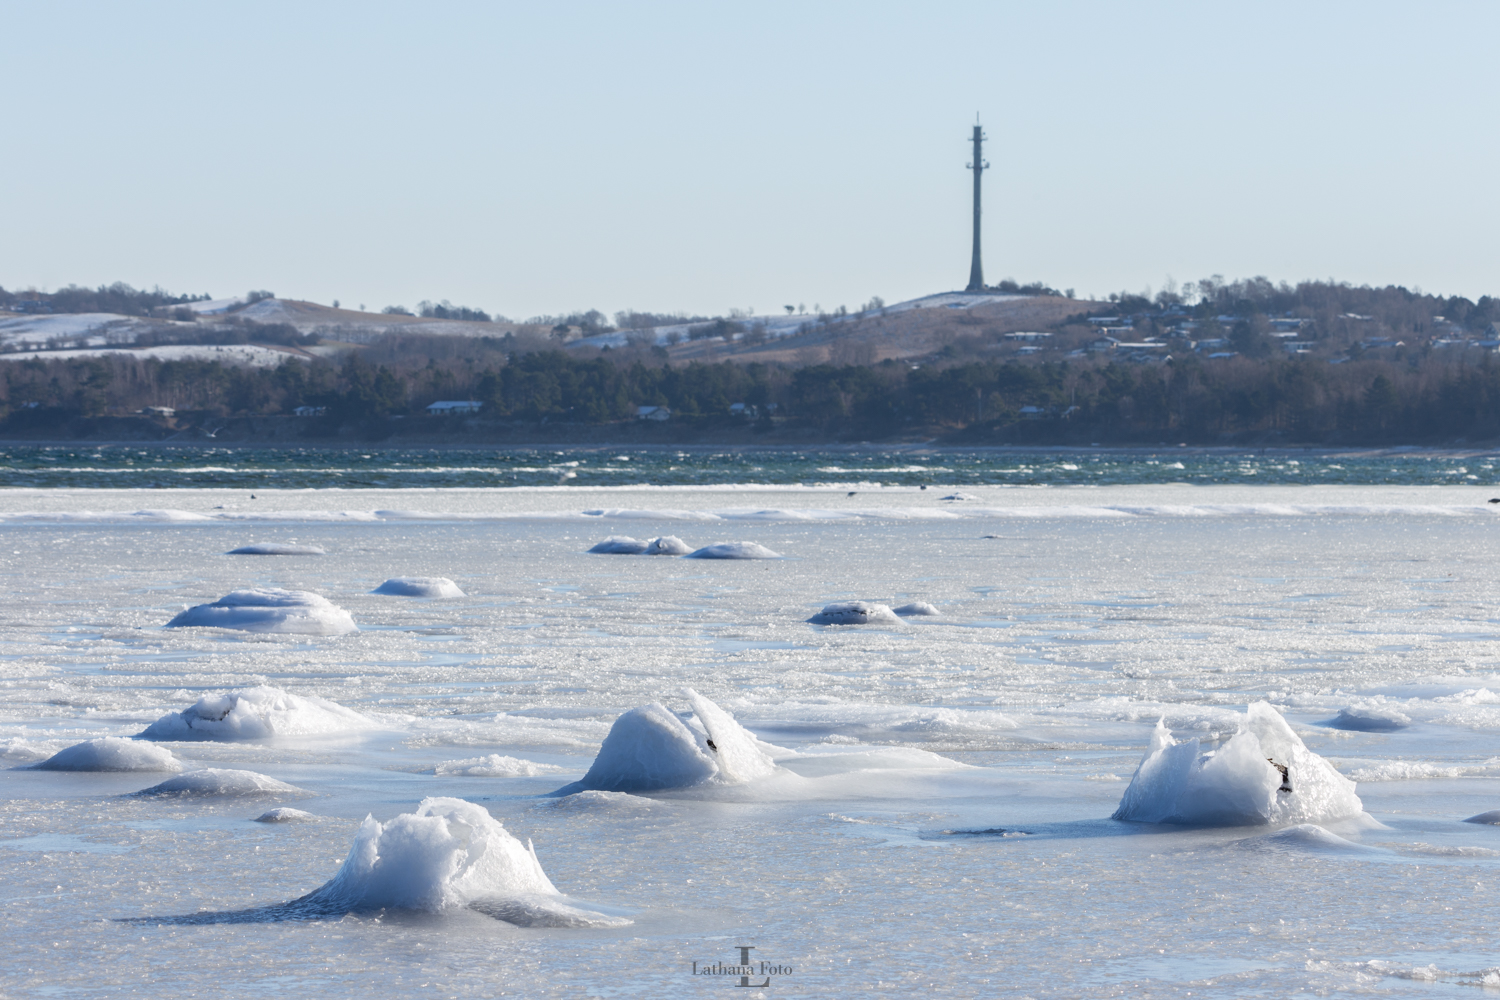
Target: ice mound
x=650 y=749
x=624 y=545
x=667 y=545
x=1301 y=838
x=253 y=714
x=493 y=766
x=960 y=496
x=111 y=754
x=215 y=781
x=1237 y=785
x=595 y=801
x=854 y=613
x=1491 y=818
x=448 y=855
x=286 y=814
x=1370 y=719
x=917 y=608
x=269 y=609
x=734 y=550
x=276 y=549
x=620 y=545
x=419 y=586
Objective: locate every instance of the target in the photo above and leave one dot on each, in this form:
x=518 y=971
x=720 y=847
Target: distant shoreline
x=931 y=447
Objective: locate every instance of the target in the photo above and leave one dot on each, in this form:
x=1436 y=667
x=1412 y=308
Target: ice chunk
x=620 y=545
x=854 y=613
x=667 y=545
x=960 y=496
x=1491 y=818
x=276 y=549
x=649 y=749
x=735 y=750
x=215 y=781
x=286 y=814
x=1241 y=783
x=448 y=855
x=1370 y=719
x=253 y=714
x=917 y=608
x=493 y=766
x=733 y=550
x=111 y=754
x=419 y=586
x=269 y=609
x=1302 y=838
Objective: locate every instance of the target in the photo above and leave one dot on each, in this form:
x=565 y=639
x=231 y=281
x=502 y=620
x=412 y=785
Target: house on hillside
x=453 y=407
x=653 y=413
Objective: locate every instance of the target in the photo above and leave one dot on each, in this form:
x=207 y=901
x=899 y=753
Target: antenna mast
x=979 y=165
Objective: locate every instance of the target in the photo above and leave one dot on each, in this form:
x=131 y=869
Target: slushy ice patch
x=276 y=549
x=649 y=749
x=220 y=782
x=493 y=766
x=1240 y=784
x=419 y=586
x=624 y=545
x=111 y=754
x=253 y=714
x=269 y=609
x=733 y=550
x=918 y=608
x=448 y=855
x=855 y=613
x=1370 y=719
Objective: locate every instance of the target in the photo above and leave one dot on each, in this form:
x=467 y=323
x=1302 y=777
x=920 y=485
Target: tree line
x=1285 y=400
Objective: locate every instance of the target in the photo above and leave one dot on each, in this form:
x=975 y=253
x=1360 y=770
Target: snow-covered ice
x=269 y=609
x=255 y=713
x=276 y=549
x=733 y=550
x=1239 y=784
x=419 y=586
x=855 y=613
x=111 y=754
x=667 y=545
x=218 y=782
x=918 y=609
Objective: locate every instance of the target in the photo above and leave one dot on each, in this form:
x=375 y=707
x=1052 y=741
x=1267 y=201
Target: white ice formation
x=620 y=545
x=286 y=814
x=448 y=855
x=733 y=550
x=917 y=608
x=269 y=609
x=649 y=749
x=624 y=545
x=1240 y=783
x=667 y=545
x=220 y=782
x=493 y=766
x=419 y=586
x=1370 y=719
x=111 y=754
x=276 y=549
x=254 y=714
x=855 y=613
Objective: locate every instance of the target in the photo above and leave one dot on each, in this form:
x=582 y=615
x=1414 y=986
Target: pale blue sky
x=529 y=158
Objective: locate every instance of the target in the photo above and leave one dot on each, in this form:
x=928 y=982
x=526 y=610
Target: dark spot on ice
x=711 y=746
x=1286 y=775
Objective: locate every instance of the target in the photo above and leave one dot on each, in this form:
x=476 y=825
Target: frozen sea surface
x=938 y=821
